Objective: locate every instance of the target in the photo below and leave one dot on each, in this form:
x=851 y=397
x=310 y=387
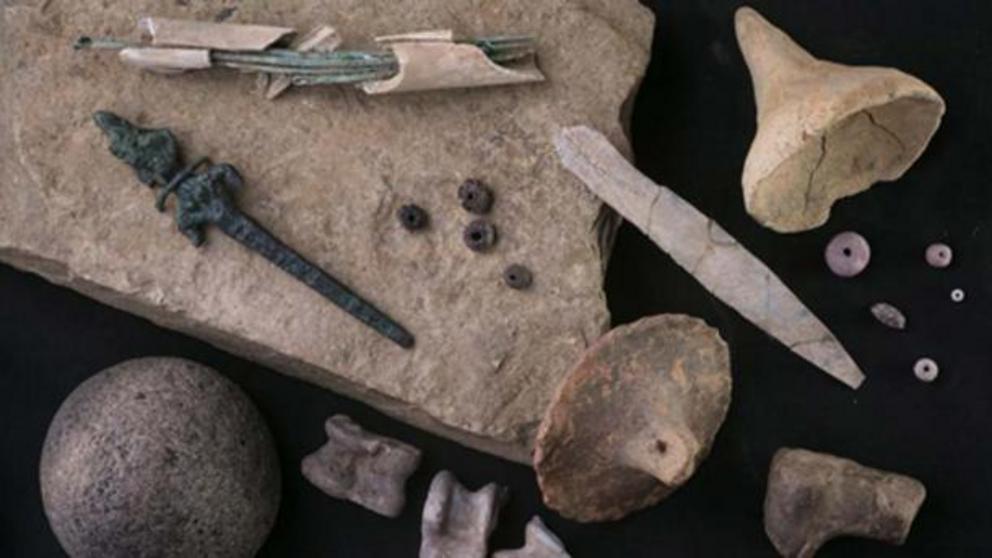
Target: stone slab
x=326 y=170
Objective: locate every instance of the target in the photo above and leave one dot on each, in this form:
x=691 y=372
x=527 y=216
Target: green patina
x=203 y=197
x=335 y=67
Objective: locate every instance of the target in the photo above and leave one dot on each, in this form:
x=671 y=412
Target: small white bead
x=957 y=295
x=926 y=370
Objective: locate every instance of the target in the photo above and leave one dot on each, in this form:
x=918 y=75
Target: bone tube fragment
x=166 y=60
x=431 y=61
x=202 y=34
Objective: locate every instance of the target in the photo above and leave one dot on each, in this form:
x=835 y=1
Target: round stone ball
x=159 y=457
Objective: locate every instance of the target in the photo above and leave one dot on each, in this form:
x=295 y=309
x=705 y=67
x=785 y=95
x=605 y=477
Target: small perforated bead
x=848 y=254
x=476 y=197
x=480 y=235
x=518 y=277
x=412 y=217
x=957 y=295
x=939 y=255
x=926 y=370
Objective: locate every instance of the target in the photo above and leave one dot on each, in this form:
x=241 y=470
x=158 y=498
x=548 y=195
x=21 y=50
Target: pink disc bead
x=939 y=255
x=848 y=254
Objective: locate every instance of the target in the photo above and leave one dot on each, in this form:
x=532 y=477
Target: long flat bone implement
x=204 y=198
x=700 y=246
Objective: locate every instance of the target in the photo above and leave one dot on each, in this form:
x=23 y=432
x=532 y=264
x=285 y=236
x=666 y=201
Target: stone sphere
x=159 y=457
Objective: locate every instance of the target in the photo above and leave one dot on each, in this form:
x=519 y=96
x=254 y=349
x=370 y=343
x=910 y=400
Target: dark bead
x=412 y=217
x=480 y=235
x=518 y=277
x=475 y=196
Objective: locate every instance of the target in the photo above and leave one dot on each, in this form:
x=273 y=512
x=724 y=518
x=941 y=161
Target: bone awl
x=700 y=246
x=203 y=197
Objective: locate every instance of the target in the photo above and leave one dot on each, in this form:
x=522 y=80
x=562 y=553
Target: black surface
x=692 y=127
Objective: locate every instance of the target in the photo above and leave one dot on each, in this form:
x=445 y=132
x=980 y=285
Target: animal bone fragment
x=362 y=467
x=889 y=315
x=814 y=497
x=700 y=246
x=540 y=543
x=634 y=419
x=457 y=523
x=825 y=131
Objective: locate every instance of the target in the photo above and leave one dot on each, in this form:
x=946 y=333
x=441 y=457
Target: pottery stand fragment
x=540 y=543
x=456 y=522
x=825 y=131
x=634 y=419
x=362 y=467
x=814 y=497
x=326 y=170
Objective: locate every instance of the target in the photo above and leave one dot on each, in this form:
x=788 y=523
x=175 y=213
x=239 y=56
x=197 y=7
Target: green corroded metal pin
x=204 y=198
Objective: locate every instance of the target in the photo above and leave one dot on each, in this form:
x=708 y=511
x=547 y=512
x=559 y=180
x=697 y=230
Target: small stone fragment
x=480 y=235
x=957 y=295
x=926 y=370
x=518 y=277
x=939 y=255
x=848 y=254
x=476 y=197
x=413 y=217
x=159 y=457
x=457 y=523
x=814 y=497
x=540 y=543
x=634 y=419
x=362 y=467
x=889 y=315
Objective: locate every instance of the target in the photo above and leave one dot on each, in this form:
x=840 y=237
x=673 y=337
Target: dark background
x=692 y=126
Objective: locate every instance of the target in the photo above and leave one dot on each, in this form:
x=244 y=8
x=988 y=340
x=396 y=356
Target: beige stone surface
x=826 y=131
x=326 y=170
